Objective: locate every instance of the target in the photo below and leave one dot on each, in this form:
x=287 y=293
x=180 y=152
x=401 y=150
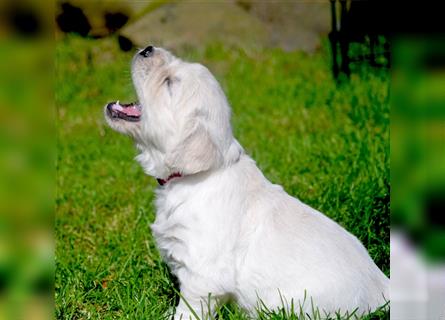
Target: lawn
x=326 y=143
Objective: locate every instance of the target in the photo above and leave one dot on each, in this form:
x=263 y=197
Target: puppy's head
x=182 y=120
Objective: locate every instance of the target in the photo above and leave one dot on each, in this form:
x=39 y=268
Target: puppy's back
x=292 y=250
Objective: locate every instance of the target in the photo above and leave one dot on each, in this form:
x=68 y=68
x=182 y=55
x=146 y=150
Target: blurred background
x=352 y=37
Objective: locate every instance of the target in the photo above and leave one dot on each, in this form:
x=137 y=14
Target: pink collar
x=170 y=177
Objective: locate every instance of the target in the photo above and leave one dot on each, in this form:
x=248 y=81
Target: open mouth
x=126 y=111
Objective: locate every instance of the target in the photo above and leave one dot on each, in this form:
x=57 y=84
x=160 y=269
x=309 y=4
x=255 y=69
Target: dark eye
x=168 y=81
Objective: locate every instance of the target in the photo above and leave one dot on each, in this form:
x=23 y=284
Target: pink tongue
x=131 y=111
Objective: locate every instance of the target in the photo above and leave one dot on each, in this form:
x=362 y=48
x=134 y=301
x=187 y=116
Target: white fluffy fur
x=223 y=228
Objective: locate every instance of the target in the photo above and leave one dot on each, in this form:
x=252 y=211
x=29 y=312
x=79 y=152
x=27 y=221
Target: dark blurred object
x=435 y=203
x=124 y=43
x=362 y=22
x=115 y=21
x=24 y=21
x=72 y=19
x=94 y=19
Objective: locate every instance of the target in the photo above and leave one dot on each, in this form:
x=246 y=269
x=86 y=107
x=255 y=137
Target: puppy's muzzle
x=129 y=111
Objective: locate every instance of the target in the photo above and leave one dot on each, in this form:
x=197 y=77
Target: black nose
x=147 y=51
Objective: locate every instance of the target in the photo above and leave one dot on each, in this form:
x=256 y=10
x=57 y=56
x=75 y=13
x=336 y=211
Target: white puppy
x=221 y=226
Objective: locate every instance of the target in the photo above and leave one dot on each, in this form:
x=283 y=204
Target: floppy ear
x=194 y=153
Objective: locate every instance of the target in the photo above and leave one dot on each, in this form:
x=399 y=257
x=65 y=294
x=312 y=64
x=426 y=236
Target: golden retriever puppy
x=221 y=226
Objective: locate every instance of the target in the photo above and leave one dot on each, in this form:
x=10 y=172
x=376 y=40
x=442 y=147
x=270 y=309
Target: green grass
x=327 y=144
